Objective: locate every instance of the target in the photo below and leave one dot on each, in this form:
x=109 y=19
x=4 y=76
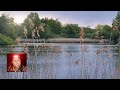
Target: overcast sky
x=83 y=18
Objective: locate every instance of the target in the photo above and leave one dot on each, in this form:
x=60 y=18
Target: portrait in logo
x=16 y=62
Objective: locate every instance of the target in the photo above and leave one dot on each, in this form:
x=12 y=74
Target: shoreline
x=62 y=40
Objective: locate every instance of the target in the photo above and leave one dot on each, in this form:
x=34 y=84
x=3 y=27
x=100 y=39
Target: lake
x=68 y=61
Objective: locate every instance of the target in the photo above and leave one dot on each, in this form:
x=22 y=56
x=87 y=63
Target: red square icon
x=16 y=62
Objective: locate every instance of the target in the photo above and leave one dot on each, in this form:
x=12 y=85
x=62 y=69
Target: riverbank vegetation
x=52 y=29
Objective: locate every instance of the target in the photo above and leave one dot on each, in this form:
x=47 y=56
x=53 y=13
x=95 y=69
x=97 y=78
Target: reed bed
x=86 y=62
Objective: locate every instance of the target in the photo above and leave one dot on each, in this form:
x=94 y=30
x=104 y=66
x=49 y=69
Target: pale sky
x=82 y=18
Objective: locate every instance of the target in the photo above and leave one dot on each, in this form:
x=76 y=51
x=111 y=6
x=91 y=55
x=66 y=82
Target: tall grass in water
x=77 y=68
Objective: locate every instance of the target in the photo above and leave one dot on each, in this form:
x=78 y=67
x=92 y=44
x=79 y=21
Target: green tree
x=33 y=24
x=19 y=31
x=7 y=26
x=71 y=31
x=88 y=32
x=47 y=34
x=5 y=40
x=55 y=26
x=116 y=27
x=106 y=31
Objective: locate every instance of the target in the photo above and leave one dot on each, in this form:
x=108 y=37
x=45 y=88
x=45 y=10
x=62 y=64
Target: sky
x=82 y=18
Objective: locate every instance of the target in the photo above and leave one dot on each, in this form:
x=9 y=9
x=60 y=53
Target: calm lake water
x=73 y=61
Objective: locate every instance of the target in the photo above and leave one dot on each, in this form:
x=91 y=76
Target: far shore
x=62 y=40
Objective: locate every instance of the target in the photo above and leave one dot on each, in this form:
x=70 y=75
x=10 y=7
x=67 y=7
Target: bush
x=5 y=40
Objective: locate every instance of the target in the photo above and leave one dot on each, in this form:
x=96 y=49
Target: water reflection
x=73 y=62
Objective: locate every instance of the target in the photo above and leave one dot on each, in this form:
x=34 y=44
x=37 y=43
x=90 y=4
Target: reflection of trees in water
x=68 y=64
x=70 y=49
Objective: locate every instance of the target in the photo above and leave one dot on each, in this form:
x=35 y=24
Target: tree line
x=9 y=30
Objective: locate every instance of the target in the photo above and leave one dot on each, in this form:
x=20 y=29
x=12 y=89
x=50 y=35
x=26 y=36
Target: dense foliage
x=9 y=30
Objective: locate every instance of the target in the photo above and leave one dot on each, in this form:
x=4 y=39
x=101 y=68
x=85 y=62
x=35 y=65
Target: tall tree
x=116 y=27
x=31 y=22
x=71 y=31
x=55 y=27
x=7 y=26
